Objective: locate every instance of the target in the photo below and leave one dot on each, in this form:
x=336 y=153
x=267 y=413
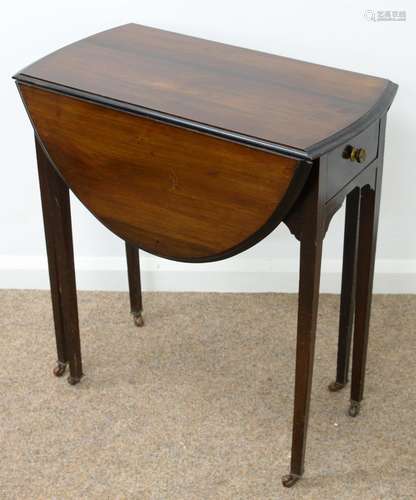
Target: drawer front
x=348 y=160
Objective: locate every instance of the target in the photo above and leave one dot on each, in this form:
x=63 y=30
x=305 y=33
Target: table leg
x=347 y=290
x=370 y=202
x=58 y=233
x=310 y=269
x=135 y=289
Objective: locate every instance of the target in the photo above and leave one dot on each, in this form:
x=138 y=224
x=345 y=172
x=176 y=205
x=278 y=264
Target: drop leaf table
x=195 y=151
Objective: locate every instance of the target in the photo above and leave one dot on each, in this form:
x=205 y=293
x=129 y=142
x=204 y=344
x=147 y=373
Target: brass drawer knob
x=355 y=154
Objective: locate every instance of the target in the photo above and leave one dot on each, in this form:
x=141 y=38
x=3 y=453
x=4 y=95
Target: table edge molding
x=380 y=107
x=311 y=153
x=163 y=117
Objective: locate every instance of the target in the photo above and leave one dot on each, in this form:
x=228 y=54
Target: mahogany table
x=195 y=151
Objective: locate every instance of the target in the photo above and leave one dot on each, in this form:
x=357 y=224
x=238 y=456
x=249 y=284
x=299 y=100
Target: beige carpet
x=198 y=403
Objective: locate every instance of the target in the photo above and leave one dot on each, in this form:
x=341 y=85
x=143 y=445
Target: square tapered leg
x=366 y=249
x=58 y=233
x=367 y=242
x=135 y=288
x=349 y=268
x=311 y=238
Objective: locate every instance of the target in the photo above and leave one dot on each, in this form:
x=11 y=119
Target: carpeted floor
x=198 y=403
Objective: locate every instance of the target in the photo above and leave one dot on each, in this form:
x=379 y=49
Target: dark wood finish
x=58 y=232
x=366 y=178
x=368 y=225
x=173 y=192
x=349 y=268
x=311 y=210
x=342 y=170
x=48 y=211
x=194 y=151
x=273 y=102
x=135 y=287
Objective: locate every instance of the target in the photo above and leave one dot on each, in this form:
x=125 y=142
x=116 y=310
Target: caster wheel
x=73 y=380
x=138 y=319
x=289 y=480
x=59 y=369
x=354 y=409
x=335 y=386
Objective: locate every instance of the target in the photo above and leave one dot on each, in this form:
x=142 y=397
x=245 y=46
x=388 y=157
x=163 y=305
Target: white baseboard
x=233 y=275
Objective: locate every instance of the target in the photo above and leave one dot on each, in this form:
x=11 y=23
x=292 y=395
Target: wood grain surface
x=173 y=192
x=277 y=100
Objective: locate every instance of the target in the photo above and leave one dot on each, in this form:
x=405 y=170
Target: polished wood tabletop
x=194 y=151
x=262 y=99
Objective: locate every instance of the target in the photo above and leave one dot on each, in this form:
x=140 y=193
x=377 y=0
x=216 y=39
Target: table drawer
x=347 y=161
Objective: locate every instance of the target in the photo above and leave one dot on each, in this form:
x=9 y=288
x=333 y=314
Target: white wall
x=335 y=34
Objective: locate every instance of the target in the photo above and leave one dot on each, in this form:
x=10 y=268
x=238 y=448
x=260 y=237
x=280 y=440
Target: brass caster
x=354 y=409
x=289 y=480
x=335 y=386
x=73 y=380
x=59 y=369
x=138 y=319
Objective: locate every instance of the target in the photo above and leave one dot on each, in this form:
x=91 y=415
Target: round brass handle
x=355 y=154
